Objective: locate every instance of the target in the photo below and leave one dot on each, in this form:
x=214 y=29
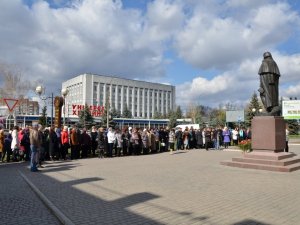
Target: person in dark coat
x=248 y=133
x=192 y=138
x=199 y=138
x=162 y=139
x=126 y=142
x=208 y=138
x=94 y=135
x=7 y=148
x=58 y=148
x=86 y=143
x=25 y=142
x=179 y=141
x=46 y=144
x=53 y=143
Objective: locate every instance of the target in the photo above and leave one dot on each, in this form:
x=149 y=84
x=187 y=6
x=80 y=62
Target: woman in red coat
x=64 y=142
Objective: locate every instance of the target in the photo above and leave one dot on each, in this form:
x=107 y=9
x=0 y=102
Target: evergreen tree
x=126 y=112
x=164 y=116
x=43 y=117
x=254 y=104
x=115 y=113
x=85 y=117
x=178 y=112
x=172 y=119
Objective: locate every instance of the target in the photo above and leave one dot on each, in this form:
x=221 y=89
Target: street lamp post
x=41 y=90
x=64 y=93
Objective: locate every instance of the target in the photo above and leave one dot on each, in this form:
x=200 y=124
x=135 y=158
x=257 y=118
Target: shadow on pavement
x=84 y=180
x=82 y=207
x=250 y=222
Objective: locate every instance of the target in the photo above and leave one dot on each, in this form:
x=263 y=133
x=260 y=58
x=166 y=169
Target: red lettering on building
x=96 y=111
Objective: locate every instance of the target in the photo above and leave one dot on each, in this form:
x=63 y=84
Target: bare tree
x=194 y=112
x=13 y=83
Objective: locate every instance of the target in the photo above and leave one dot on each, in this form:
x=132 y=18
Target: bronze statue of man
x=269 y=80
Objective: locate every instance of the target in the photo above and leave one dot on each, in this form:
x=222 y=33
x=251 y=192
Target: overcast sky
x=210 y=50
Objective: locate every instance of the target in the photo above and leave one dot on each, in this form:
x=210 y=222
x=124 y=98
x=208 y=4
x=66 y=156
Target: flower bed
x=245 y=145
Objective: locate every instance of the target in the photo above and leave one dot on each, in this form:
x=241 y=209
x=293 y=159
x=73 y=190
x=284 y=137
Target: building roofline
x=118 y=77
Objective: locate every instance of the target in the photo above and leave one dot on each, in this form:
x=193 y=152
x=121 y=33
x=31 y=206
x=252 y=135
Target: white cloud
x=91 y=36
x=238 y=84
x=217 y=39
x=234 y=86
x=103 y=37
x=163 y=19
x=293 y=91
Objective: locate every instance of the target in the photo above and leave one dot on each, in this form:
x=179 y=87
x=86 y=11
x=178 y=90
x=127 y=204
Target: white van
x=183 y=126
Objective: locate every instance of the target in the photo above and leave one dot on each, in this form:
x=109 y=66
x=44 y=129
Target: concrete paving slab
x=187 y=188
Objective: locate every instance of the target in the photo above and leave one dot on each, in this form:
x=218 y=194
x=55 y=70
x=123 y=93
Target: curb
x=60 y=216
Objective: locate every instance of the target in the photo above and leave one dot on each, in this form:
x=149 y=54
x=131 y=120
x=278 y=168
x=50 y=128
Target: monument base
x=268 y=133
x=279 y=162
x=268 y=143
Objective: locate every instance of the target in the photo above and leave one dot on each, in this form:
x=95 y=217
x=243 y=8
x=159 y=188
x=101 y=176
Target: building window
x=95 y=86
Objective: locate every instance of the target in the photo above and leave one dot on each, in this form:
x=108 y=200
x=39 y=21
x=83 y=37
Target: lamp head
x=39 y=90
x=64 y=92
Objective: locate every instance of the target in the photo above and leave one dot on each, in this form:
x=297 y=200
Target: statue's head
x=267 y=54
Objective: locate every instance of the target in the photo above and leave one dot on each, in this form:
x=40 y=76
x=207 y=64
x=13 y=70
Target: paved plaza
x=184 y=188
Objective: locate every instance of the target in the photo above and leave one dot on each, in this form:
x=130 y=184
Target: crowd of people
x=36 y=144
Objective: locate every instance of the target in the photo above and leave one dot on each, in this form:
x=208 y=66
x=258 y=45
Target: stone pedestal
x=268 y=143
x=268 y=133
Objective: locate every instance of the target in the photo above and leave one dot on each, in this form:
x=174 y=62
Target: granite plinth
x=280 y=162
x=268 y=143
x=268 y=133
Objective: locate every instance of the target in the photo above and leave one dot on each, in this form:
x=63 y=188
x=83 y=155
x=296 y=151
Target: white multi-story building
x=142 y=98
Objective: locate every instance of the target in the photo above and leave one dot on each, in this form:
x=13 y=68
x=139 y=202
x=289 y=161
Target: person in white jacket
x=15 y=142
x=111 y=137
